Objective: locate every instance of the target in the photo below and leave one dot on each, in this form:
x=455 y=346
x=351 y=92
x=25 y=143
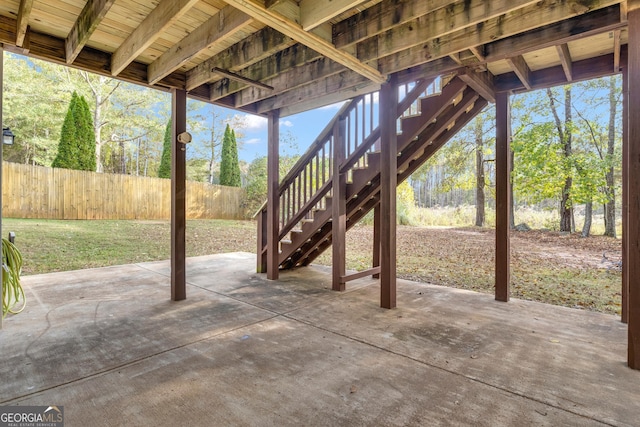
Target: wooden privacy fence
x=40 y=192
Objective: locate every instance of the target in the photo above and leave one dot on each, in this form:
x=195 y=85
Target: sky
x=302 y=129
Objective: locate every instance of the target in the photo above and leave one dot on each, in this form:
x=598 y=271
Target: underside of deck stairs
x=428 y=116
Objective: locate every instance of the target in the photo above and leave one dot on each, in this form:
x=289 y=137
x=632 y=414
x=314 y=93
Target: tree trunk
x=565 y=136
x=212 y=159
x=610 y=206
x=97 y=131
x=480 y=180
x=588 y=214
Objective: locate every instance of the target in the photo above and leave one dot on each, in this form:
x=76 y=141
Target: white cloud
x=286 y=123
x=253 y=141
x=254 y=123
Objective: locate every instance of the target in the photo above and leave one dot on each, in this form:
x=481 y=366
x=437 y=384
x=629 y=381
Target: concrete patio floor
x=110 y=346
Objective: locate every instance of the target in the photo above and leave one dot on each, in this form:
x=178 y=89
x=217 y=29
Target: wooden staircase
x=427 y=119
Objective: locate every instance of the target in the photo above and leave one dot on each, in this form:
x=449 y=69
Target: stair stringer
x=413 y=153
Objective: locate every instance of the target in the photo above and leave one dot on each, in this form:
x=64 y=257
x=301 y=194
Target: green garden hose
x=12 y=291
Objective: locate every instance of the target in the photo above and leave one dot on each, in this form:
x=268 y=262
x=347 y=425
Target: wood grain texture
x=24 y=14
x=222 y=25
x=503 y=197
x=38 y=192
x=89 y=19
x=178 y=196
x=633 y=187
x=161 y=18
x=293 y=30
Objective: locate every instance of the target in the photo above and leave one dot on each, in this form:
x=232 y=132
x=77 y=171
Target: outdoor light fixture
x=7 y=136
x=184 y=137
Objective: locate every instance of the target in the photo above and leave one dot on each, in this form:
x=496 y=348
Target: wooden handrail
x=322 y=191
x=313 y=148
x=292 y=191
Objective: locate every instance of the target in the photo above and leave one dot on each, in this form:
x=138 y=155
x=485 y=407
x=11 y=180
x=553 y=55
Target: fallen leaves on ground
x=550 y=267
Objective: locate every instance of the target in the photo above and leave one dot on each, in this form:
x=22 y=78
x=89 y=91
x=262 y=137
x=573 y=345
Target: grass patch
x=53 y=245
x=545 y=266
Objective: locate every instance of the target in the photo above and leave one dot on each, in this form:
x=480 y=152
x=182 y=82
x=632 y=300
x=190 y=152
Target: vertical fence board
x=48 y=193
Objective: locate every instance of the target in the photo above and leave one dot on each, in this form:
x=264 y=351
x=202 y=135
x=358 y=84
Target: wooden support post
x=338 y=209
x=633 y=187
x=625 y=196
x=262 y=242
x=503 y=198
x=376 y=239
x=178 y=195
x=273 y=199
x=388 y=184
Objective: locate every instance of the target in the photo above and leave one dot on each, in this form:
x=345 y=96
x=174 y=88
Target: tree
x=34 y=116
x=67 y=148
x=164 y=171
x=610 y=205
x=462 y=164
x=480 y=178
x=229 y=167
x=85 y=137
x=565 y=135
x=76 y=149
x=256 y=188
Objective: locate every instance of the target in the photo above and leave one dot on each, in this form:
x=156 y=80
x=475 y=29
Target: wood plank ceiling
x=295 y=55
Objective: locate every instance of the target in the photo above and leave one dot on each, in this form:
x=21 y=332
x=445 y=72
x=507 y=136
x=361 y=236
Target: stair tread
x=362 y=192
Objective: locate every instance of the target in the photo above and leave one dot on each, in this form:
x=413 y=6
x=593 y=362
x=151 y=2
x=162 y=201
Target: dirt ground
x=551 y=267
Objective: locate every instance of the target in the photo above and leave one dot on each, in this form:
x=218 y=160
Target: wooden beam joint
x=233 y=76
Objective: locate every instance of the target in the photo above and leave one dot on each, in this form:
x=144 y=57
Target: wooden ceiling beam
x=260 y=45
x=478 y=52
x=24 y=12
x=316 y=12
x=343 y=82
x=522 y=70
x=432 y=33
x=162 y=17
x=294 y=78
x=292 y=29
x=562 y=32
x=596 y=22
x=52 y=49
x=225 y=89
x=328 y=99
x=441 y=22
x=88 y=20
x=456 y=58
x=219 y=27
x=565 y=60
x=381 y=17
x=480 y=82
x=269 y=68
x=616 y=50
x=582 y=70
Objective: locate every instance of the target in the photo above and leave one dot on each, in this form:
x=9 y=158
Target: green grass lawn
x=546 y=266
x=53 y=245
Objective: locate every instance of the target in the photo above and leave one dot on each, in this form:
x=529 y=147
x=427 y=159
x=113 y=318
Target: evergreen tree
x=164 y=171
x=229 y=166
x=67 y=149
x=85 y=138
x=77 y=146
